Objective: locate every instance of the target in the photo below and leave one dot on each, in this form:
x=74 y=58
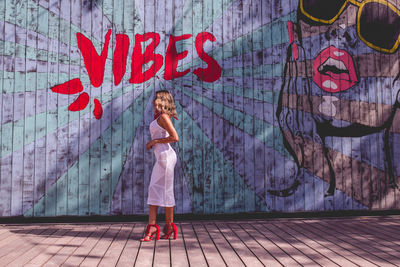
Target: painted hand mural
x=339 y=103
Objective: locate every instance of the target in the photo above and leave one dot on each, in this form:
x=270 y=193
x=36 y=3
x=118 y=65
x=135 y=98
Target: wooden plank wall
x=300 y=102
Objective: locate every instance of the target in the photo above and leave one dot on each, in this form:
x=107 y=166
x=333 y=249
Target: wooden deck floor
x=356 y=241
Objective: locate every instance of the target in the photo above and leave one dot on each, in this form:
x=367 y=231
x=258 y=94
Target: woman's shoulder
x=164 y=120
x=164 y=117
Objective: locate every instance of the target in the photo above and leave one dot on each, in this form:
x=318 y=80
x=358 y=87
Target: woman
x=161 y=188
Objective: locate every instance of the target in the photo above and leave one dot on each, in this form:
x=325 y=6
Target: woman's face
x=341 y=64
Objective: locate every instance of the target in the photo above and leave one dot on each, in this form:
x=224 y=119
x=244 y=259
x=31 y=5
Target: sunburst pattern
x=231 y=153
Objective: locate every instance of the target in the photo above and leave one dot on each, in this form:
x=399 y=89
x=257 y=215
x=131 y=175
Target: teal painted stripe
x=266 y=133
x=206 y=19
x=123 y=15
x=40 y=80
x=22 y=51
x=117 y=14
x=36 y=80
x=132 y=22
x=264 y=37
x=195 y=175
x=49 y=20
x=250 y=93
x=263 y=71
x=61 y=115
x=106 y=7
x=131 y=119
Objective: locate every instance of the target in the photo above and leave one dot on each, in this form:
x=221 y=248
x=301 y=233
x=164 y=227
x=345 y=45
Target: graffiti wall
x=282 y=105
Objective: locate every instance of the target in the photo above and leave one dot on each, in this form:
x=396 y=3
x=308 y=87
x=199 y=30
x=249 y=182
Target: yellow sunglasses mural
x=378 y=21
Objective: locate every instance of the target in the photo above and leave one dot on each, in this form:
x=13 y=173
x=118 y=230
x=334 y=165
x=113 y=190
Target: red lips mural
x=334 y=70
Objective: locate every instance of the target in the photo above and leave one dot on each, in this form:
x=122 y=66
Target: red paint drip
x=93 y=62
x=69 y=88
x=120 y=54
x=80 y=103
x=98 y=109
x=213 y=70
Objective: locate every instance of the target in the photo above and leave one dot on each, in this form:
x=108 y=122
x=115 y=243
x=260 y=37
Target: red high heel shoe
x=169 y=229
x=157 y=232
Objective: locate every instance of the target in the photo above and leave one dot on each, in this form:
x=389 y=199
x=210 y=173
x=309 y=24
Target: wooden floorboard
x=318 y=252
x=361 y=248
x=375 y=245
x=113 y=253
x=332 y=241
x=179 y=256
x=193 y=249
x=210 y=250
x=351 y=241
x=97 y=253
x=312 y=256
x=162 y=252
x=68 y=244
x=229 y=255
x=131 y=248
x=39 y=249
x=80 y=254
x=269 y=245
x=263 y=255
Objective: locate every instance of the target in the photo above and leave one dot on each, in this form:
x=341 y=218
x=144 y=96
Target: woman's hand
x=150 y=144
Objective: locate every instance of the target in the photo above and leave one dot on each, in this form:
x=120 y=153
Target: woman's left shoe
x=170 y=228
x=150 y=234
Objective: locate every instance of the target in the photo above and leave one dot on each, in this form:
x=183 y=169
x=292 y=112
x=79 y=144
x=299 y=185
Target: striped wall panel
x=283 y=105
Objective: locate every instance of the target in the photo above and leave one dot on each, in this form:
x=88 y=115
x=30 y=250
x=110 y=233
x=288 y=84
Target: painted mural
x=283 y=105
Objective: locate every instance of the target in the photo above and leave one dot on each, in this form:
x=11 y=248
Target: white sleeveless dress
x=161 y=188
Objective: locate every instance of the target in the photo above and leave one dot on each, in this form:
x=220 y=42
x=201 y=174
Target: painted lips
x=334 y=70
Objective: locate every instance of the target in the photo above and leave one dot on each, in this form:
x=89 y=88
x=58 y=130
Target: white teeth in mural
x=333 y=62
x=329 y=84
x=327 y=107
x=343 y=26
x=338 y=54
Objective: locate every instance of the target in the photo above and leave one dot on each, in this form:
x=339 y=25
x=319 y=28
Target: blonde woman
x=161 y=188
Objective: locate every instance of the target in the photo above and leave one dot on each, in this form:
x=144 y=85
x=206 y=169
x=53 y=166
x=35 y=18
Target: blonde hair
x=164 y=103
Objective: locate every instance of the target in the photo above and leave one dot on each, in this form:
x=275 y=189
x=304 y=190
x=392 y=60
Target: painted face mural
x=339 y=103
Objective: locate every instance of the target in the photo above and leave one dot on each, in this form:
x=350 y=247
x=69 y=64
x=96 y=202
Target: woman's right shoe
x=170 y=228
x=151 y=234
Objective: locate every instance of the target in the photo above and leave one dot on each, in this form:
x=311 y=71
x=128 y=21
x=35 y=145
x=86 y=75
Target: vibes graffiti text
x=95 y=64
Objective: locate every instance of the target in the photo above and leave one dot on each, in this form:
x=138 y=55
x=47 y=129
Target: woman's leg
x=169 y=215
x=152 y=220
x=169 y=227
x=152 y=214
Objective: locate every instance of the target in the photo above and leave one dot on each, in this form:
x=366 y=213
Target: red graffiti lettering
x=93 y=62
x=213 y=70
x=172 y=58
x=139 y=59
x=120 y=55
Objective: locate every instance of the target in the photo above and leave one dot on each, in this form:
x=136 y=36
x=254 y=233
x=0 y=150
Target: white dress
x=161 y=188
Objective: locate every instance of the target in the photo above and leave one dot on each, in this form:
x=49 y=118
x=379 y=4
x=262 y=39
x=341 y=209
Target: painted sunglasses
x=378 y=21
